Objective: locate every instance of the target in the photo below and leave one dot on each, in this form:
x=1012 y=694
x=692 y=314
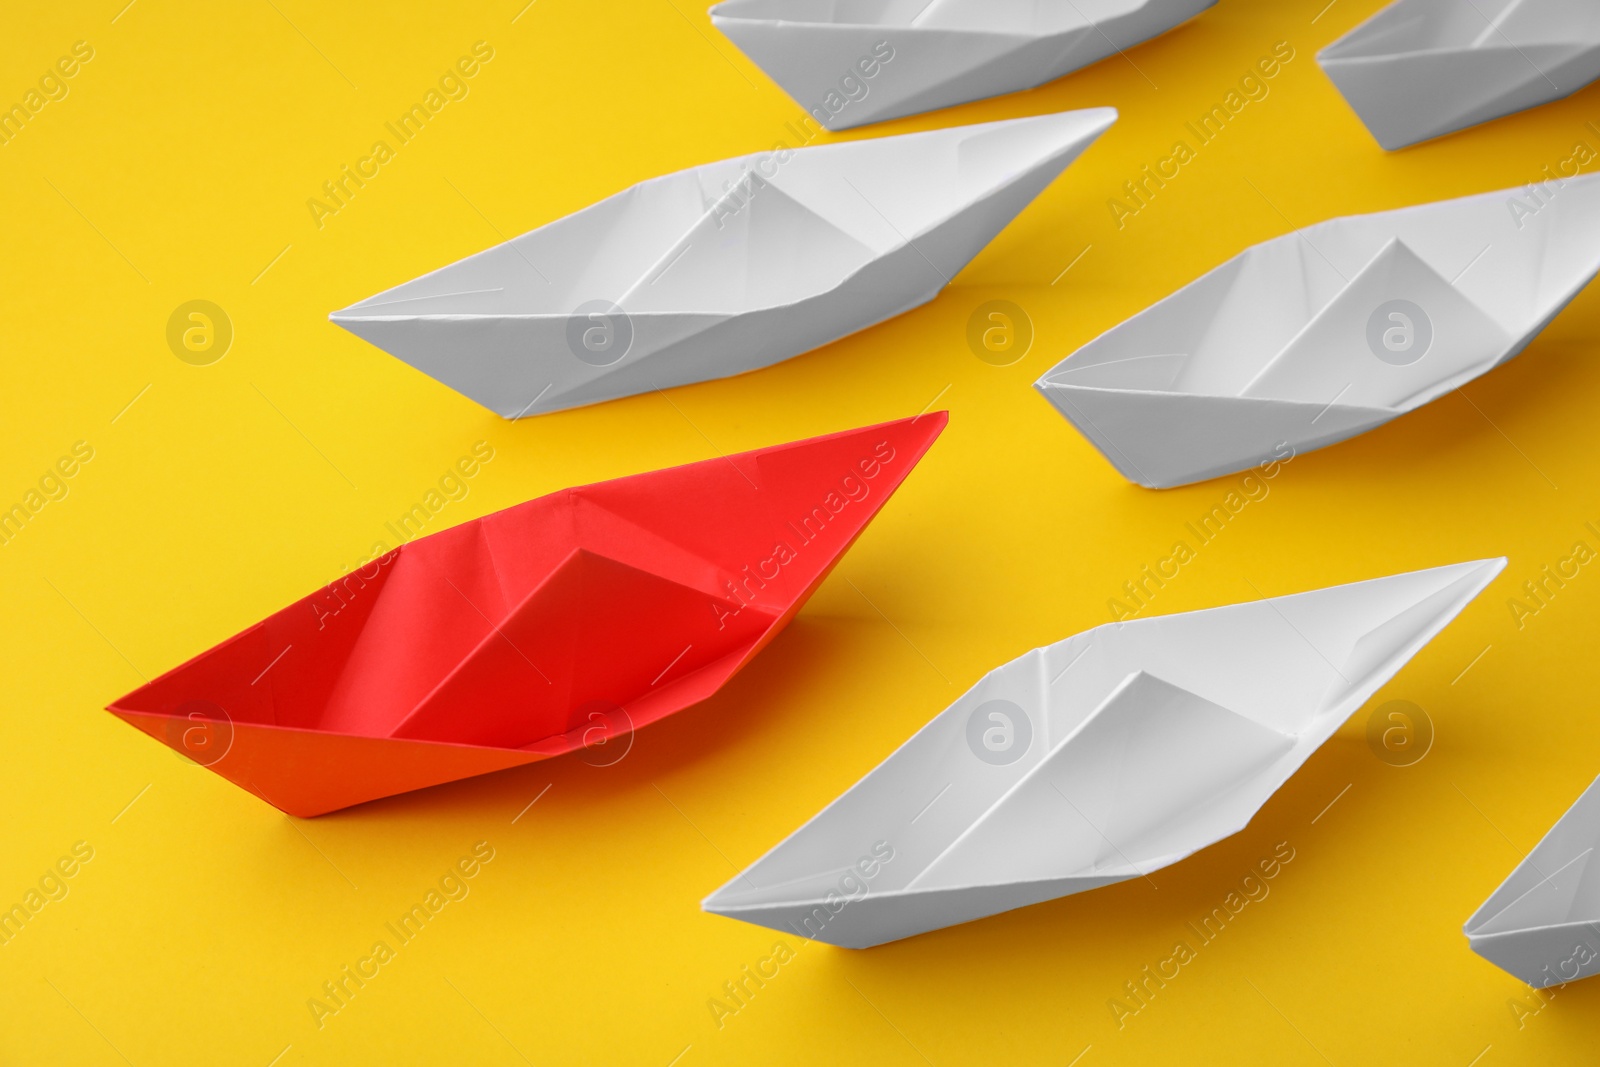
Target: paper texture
x=720 y=269
x=551 y=626
x=1094 y=760
x=1543 y=923
x=1420 y=69
x=1324 y=333
x=851 y=64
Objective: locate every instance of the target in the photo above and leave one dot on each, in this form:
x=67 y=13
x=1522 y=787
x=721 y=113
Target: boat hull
x=558 y=625
x=1230 y=372
x=819 y=64
x=1409 y=100
x=1164 y=440
x=1412 y=74
x=520 y=364
x=1102 y=758
x=872 y=919
x=1542 y=924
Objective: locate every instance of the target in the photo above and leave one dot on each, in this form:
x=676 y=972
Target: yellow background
x=179 y=167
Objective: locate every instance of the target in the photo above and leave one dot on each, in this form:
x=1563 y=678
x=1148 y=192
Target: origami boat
x=1324 y=333
x=1543 y=923
x=1424 y=68
x=554 y=625
x=722 y=268
x=1094 y=760
x=849 y=65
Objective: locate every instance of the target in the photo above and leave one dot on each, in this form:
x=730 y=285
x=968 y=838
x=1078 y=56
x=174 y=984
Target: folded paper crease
x=530 y=632
x=722 y=268
x=1098 y=759
x=1420 y=69
x=853 y=64
x=1543 y=924
x=1326 y=332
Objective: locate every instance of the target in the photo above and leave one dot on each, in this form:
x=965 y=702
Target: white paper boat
x=1097 y=759
x=1424 y=68
x=722 y=268
x=851 y=64
x=1324 y=333
x=1543 y=923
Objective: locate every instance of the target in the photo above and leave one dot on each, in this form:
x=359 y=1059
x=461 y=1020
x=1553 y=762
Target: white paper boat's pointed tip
x=1488 y=569
x=347 y=316
x=353 y=321
x=1155 y=692
x=1539 y=925
x=1103 y=119
x=1478 y=573
x=1076 y=125
x=1483 y=572
x=1087 y=123
x=711 y=906
x=374 y=329
x=713 y=902
x=1056 y=138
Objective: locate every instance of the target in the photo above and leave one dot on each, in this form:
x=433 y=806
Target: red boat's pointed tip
x=937 y=419
x=925 y=428
x=930 y=424
x=914 y=432
x=122 y=703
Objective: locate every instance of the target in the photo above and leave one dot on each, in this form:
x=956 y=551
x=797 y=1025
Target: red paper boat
x=548 y=627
